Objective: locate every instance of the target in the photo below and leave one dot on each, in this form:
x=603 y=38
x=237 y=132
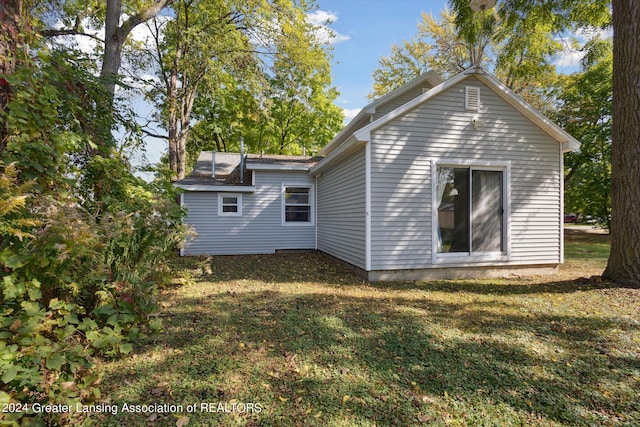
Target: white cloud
x=350 y=113
x=84 y=44
x=321 y=19
x=569 y=58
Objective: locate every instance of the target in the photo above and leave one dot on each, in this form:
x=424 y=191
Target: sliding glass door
x=470 y=205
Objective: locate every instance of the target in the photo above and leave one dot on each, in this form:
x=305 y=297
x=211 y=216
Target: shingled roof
x=227 y=168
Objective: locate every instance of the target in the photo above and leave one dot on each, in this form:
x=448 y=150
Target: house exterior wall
x=402 y=155
x=341 y=210
x=258 y=230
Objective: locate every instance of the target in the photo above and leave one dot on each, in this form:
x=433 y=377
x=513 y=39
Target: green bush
x=81 y=243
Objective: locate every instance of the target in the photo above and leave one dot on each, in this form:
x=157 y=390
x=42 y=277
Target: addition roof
x=227 y=170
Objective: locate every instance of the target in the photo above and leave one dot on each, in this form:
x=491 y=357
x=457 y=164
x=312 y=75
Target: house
x=437 y=179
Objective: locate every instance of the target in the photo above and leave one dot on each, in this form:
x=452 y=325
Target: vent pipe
x=213 y=164
x=241 y=160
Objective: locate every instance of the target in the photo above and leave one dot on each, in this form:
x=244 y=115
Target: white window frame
x=221 y=197
x=472 y=258
x=311 y=205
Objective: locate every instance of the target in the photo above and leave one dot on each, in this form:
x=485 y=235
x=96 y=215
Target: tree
x=302 y=116
x=584 y=110
x=441 y=46
x=118 y=18
x=12 y=46
x=437 y=46
x=78 y=272
x=624 y=260
x=202 y=42
x=274 y=89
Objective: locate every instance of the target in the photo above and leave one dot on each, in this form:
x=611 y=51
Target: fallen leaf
x=182 y=421
x=15 y=325
x=345 y=398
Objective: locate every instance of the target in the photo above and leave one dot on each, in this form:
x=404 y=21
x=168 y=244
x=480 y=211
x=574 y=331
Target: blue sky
x=365 y=31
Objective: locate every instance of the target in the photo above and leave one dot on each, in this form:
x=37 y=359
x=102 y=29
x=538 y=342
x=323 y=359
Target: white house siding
x=341 y=210
x=401 y=154
x=259 y=230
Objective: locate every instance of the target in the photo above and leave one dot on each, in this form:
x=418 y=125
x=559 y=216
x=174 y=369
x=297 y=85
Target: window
x=229 y=204
x=470 y=210
x=297 y=205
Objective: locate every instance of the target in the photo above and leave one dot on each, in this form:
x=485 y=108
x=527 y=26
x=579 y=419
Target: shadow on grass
x=494 y=288
x=320 y=359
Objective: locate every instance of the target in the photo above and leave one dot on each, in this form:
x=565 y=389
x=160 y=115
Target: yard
x=295 y=339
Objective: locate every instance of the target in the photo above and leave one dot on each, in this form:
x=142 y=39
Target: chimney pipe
x=213 y=164
x=241 y=160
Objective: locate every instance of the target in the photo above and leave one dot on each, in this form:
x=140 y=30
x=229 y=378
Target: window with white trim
x=229 y=204
x=470 y=203
x=297 y=206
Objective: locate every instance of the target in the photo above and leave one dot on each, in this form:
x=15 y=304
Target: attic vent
x=472 y=98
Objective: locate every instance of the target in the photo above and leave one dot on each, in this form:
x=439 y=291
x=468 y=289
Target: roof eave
x=430 y=77
x=283 y=167
x=217 y=188
x=347 y=147
x=568 y=142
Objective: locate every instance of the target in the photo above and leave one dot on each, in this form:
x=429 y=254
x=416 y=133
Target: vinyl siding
x=341 y=210
x=259 y=229
x=440 y=128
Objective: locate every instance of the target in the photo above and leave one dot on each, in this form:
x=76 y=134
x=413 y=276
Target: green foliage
x=81 y=240
x=584 y=110
x=258 y=71
x=436 y=46
x=445 y=47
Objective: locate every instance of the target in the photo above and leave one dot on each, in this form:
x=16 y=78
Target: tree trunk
x=113 y=41
x=624 y=261
x=172 y=125
x=10 y=46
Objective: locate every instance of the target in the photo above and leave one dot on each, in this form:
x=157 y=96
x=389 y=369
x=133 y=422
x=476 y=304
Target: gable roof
x=353 y=137
x=430 y=79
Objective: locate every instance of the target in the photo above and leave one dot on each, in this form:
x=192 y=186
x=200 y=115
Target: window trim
x=472 y=258
x=221 y=204
x=283 y=191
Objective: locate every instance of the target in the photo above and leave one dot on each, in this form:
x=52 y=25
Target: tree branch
x=154 y=135
x=143 y=16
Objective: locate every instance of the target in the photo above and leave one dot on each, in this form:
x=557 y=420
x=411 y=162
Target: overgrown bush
x=81 y=240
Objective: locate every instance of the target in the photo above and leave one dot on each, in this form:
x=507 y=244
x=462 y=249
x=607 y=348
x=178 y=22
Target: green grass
x=583 y=246
x=314 y=345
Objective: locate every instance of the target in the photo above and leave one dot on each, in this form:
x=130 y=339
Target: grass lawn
x=295 y=339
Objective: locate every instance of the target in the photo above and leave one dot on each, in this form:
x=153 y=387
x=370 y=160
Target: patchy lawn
x=295 y=339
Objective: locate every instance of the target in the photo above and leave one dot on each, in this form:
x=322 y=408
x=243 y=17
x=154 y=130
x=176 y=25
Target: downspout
x=315 y=213
x=182 y=206
x=367 y=208
x=561 y=258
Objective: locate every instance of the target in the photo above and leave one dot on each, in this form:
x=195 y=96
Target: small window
x=297 y=205
x=229 y=204
x=472 y=98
